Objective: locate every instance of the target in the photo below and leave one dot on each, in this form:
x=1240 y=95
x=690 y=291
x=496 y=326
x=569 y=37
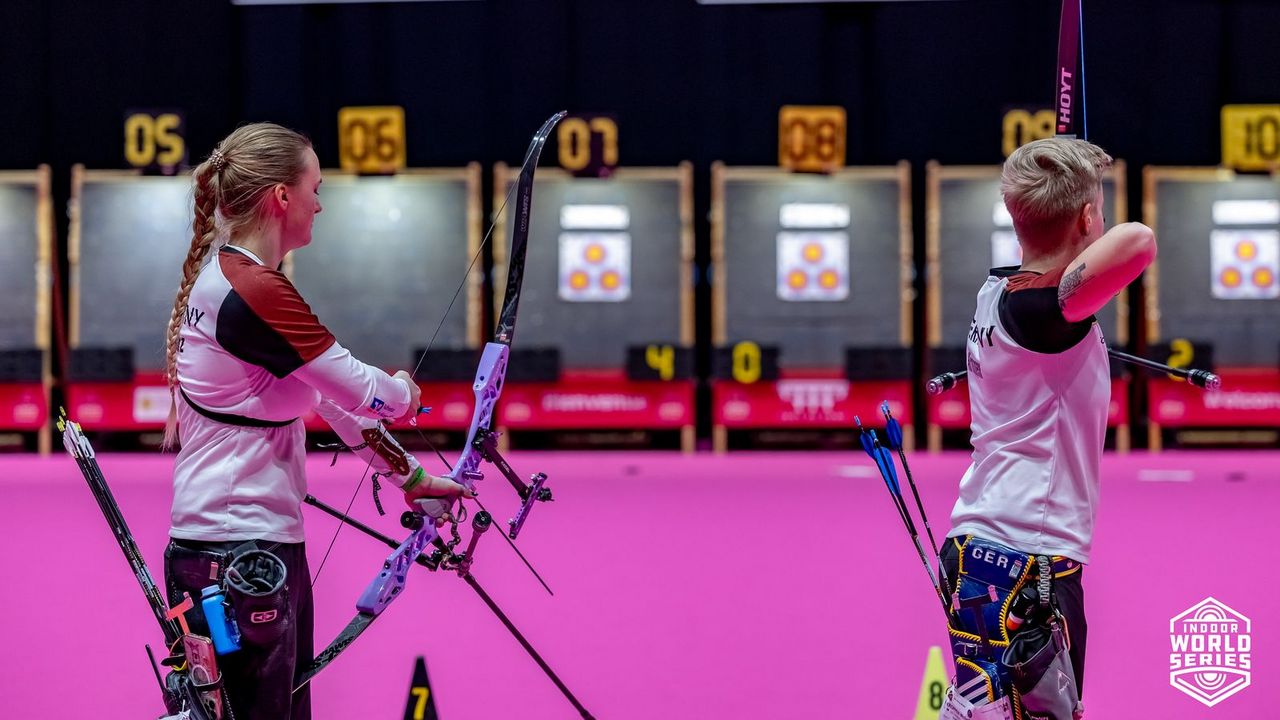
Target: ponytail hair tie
x=218 y=159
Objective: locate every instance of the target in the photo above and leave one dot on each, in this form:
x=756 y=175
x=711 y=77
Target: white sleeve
x=353 y=386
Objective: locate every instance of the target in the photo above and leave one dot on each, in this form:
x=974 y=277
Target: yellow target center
x=578 y=280
x=1247 y=250
x=1231 y=277
x=828 y=279
x=610 y=280
x=594 y=253
x=797 y=279
x=1263 y=277
x=812 y=252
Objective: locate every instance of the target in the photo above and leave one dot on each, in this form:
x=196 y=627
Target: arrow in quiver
x=422 y=703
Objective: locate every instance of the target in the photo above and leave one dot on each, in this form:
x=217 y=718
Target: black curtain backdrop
x=920 y=80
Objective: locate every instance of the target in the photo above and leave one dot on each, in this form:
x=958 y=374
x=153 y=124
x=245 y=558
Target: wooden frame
x=1151 y=175
x=720 y=173
x=682 y=174
x=45 y=267
x=935 y=174
x=471 y=174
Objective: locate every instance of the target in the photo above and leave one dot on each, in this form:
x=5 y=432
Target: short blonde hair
x=1046 y=182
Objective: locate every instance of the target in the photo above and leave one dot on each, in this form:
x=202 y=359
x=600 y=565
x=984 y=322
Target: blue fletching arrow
x=891 y=473
x=892 y=429
x=867 y=440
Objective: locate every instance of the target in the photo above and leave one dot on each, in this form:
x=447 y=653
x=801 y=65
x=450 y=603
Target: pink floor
x=745 y=586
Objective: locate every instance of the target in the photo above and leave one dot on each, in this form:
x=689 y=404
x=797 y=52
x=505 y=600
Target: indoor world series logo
x=1211 y=652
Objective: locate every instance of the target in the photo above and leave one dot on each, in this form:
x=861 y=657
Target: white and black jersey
x=1039 y=389
x=252 y=351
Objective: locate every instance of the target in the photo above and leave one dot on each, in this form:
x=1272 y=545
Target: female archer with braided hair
x=246 y=358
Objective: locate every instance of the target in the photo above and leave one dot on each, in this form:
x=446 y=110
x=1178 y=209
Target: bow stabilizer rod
x=1200 y=378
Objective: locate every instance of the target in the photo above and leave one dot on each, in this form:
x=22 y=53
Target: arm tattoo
x=1071 y=282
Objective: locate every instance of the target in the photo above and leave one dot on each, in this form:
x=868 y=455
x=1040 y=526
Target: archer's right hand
x=415 y=396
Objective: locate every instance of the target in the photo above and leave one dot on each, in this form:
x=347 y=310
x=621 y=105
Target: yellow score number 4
x=154 y=140
x=1251 y=137
x=371 y=139
x=661 y=359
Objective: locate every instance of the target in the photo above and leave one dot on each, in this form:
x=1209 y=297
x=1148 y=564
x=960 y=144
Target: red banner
x=814 y=402
x=950 y=410
x=596 y=400
x=23 y=406
x=1249 y=397
x=139 y=405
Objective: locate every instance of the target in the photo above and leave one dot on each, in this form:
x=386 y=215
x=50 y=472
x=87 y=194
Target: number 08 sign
x=811 y=138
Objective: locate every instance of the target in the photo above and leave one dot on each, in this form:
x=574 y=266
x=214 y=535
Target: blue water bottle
x=222 y=623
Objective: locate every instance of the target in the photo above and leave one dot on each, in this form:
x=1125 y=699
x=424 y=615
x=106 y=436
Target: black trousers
x=1068 y=589
x=258 y=680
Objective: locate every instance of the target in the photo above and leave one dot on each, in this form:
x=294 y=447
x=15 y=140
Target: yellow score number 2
x=154 y=140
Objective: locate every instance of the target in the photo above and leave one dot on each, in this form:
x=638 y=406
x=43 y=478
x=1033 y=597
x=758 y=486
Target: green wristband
x=414 y=480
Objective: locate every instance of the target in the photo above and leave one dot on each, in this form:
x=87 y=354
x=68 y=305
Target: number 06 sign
x=371 y=139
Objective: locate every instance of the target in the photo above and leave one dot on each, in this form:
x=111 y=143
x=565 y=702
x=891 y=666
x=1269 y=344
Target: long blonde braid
x=232 y=184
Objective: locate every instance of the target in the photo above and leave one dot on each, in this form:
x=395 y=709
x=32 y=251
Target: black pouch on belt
x=1039 y=662
x=255 y=583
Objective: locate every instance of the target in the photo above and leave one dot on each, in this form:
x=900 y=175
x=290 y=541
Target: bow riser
x=390 y=582
x=491 y=375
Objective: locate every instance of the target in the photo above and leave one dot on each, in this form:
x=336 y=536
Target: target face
x=1246 y=264
x=595 y=267
x=813 y=266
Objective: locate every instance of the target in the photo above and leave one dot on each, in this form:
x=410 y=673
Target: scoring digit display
x=371 y=139
x=154 y=140
x=1251 y=137
x=659 y=361
x=811 y=138
x=1021 y=126
x=588 y=145
x=746 y=362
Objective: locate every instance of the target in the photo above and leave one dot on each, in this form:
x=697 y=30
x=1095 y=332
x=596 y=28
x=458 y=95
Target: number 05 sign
x=371 y=139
